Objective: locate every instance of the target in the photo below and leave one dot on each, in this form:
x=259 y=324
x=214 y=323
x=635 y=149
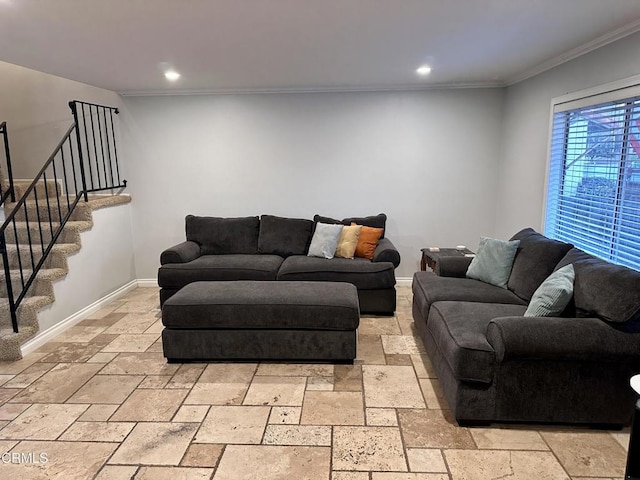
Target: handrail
x=54 y=204
x=7 y=155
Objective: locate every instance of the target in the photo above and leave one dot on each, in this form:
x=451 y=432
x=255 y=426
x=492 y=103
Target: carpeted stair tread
x=102 y=201
x=10 y=342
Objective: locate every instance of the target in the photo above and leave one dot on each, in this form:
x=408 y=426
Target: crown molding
x=328 y=89
x=583 y=49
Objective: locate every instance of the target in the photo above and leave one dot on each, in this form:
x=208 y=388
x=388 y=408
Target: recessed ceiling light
x=423 y=70
x=171 y=75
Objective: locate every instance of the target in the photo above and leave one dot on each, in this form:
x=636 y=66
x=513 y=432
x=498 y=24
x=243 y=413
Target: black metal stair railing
x=9 y=192
x=84 y=161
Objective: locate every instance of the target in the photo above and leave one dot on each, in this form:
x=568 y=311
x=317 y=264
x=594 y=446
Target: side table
x=430 y=259
x=633 y=457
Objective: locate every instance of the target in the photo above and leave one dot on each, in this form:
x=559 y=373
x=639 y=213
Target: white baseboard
x=46 y=335
x=147 y=282
x=404 y=281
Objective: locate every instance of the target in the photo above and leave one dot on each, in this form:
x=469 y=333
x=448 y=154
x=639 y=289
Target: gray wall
x=525 y=134
x=426 y=159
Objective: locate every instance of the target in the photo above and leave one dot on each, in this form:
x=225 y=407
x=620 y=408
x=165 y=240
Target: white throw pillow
x=325 y=240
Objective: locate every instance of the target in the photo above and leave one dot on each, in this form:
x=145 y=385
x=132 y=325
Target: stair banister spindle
x=104 y=163
x=86 y=139
x=7 y=155
x=74 y=111
x=7 y=274
x=115 y=148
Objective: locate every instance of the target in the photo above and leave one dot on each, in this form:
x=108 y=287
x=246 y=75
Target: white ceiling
x=304 y=45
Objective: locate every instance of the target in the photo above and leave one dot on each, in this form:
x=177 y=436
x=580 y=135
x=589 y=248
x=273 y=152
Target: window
x=593 y=189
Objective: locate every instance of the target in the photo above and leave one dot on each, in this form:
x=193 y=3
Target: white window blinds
x=593 y=190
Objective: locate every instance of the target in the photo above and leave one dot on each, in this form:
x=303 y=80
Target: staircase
x=41 y=229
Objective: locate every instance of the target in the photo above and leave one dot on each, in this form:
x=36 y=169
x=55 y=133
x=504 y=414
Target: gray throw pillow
x=492 y=264
x=325 y=240
x=553 y=295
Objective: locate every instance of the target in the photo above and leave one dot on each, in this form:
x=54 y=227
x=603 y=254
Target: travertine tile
x=347 y=378
x=29 y=375
x=7 y=394
x=426 y=460
x=270 y=462
x=65 y=460
x=186 y=376
x=155 y=381
x=233 y=424
x=103 y=339
x=155 y=444
x=217 y=394
x=104 y=311
x=332 y=408
x=391 y=386
x=150 y=405
x=97 y=431
x=320 y=383
x=202 y=455
x=5 y=378
x=136 y=306
x=408 y=476
x=587 y=453
x=369 y=350
x=98 y=413
x=131 y=342
x=72 y=352
x=405 y=321
x=368 y=448
x=79 y=334
x=13 y=368
x=107 y=389
x=104 y=321
x=423 y=367
x=102 y=357
x=131 y=323
x=398 y=359
x=9 y=411
x=492 y=464
x=267 y=390
x=381 y=417
x=433 y=429
x=294 y=370
x=285 y=415
x=622 y=438
x=58 y=384
x=117 y=472
x=191 y=413
x=335 y=475
x=228 y=373
x=146 y=363
x=297 y=435
x=508 y=439
x=174 y=473
x=406 y=344
x=155 y=327
x=42 y=422
x=433 y=393
x=378 y=326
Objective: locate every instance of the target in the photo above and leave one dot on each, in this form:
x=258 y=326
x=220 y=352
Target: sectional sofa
x=274 y=248
x=494 y=364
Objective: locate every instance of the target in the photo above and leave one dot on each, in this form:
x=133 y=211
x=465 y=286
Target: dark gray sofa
x=275 y=248
x=496 y=365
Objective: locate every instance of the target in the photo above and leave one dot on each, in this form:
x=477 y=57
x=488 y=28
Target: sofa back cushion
x=217 y=235
x=373 y=221
x=536 y=258
x=602 y=289
x=284 y=236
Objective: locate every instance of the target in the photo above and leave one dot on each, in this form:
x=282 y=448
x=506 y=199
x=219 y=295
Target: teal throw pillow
x=492 y=264
x=553 y=295
x=325 y=240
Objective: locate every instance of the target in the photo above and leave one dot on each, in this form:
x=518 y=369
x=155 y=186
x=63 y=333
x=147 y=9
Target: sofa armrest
x=182 y=253
x=386 y=252
x=453 y=266
x=559 y=338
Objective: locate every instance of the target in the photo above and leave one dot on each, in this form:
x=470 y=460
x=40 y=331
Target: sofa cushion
x=492 y=264
x=433 y=288
x=284 y=236
x=373 y=221
x=535 y=260
x=459 y=331
x=348 y=241
x=219 y=267
x=602 y=289
x=217 y=235
x=362 y=273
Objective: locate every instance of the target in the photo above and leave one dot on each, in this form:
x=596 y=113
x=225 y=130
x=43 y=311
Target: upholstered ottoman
x=261 y=320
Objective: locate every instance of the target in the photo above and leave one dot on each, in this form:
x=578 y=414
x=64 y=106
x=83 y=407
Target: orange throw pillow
x=367 y=241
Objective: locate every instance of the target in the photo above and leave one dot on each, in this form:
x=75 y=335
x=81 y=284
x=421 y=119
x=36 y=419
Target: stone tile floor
x=100 y=402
